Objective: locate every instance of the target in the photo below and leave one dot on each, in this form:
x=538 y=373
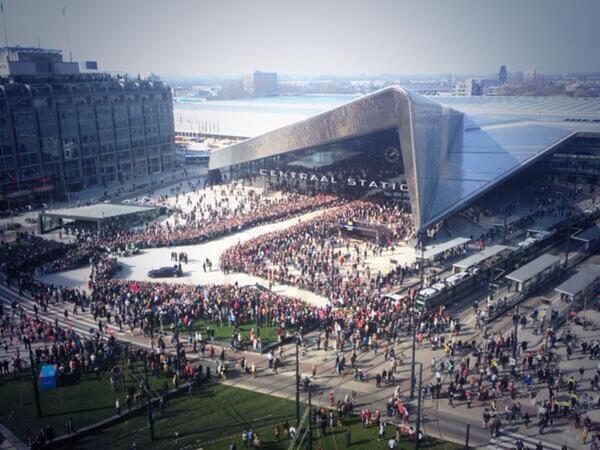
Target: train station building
x=431 y=154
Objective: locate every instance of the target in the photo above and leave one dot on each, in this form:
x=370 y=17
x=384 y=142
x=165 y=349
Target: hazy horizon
x=186 y=39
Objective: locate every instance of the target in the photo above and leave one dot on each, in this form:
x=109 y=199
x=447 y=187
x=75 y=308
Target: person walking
x=381 y=436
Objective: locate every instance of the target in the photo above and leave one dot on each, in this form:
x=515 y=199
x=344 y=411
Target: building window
x=140 y=168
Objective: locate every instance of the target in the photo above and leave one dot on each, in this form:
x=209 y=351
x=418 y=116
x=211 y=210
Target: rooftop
x=253 y=117
x=580 y=281
x=98 y=211
x=591 y=234
x=33 y=50
x=432 y=251
x=481 y=256
x=533 y=268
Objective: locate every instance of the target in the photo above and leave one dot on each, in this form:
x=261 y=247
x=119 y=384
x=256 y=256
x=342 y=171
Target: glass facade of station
x=576 y=161
x=365 y=165
x=400 y=144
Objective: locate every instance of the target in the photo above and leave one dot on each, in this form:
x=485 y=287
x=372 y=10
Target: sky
x=342 y=37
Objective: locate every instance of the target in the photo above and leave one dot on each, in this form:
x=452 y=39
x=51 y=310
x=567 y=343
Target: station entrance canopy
x=399 y=144
x=99 y=215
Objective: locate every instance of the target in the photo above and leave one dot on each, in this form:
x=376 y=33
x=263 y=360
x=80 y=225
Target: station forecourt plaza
x=370 y=254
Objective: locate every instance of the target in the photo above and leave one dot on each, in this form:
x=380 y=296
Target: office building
x=468 y=88
x=502 y=75
x=63 y=129
x=261 y=84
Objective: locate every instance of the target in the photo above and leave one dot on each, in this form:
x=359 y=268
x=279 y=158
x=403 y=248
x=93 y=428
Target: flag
x=64 y=10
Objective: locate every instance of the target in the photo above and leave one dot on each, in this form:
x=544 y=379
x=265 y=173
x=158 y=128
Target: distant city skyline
x=185 y=38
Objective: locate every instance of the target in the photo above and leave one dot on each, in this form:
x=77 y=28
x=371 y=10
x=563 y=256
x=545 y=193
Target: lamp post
x=297 y=385
x=412 y=366
x=568 y=241
x=36 y=392
x=258 y=316
x=332 y=263
x=148 y=403
x=310 y=430
x=177 y=349
x=414 y=323
x=504 y=229
x=515 y=343
x=418 y=431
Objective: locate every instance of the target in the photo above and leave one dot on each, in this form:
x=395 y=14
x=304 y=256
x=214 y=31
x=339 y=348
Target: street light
x=504 y=229
x=418 y=431
x=258 y=315
x=310 y=430
x=297 y=384
x=36 y=392
x=148 y=402
x=515 y=340
x=177 y=344
x=568 y=241
x=414 y=320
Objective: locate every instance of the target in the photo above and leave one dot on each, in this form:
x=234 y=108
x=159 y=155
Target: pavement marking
x=508 y=440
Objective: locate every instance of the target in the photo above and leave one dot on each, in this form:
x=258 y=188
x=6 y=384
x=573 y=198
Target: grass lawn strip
x=215 y=415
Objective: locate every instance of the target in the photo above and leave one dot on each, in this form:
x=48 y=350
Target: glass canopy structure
x=400 y=144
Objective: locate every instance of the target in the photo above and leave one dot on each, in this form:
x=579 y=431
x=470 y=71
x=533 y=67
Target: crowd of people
x=317 y=256
x=29 y=251
x=51 y=344
x=212 y=216
x=217 y=212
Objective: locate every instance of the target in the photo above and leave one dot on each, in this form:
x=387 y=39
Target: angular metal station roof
x=450 y=156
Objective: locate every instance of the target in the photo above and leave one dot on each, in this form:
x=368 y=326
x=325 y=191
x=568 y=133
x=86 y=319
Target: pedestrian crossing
x=508 y=440
x=81 y=323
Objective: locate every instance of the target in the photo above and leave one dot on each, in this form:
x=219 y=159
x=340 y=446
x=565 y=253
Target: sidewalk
x=9 y=441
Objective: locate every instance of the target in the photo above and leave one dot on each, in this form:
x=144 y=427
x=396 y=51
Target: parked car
x=164 y=272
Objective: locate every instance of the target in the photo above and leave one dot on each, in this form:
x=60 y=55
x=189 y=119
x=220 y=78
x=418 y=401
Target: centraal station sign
x=320 y=178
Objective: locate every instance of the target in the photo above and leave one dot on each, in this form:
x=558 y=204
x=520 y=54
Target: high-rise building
x=468 y=88
x=533 y=75
x=62 y=130
x=502 y=75
x=261 y=84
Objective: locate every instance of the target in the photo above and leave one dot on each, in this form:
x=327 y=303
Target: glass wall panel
x=360 y=166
